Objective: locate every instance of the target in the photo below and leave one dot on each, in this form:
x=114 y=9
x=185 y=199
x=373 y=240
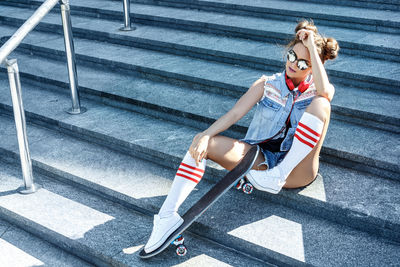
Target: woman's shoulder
x=272 y=86
x=273 y=81
x=270 y=78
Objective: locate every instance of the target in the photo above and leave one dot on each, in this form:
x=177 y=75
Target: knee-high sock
x=186 y=178
x=306 y=137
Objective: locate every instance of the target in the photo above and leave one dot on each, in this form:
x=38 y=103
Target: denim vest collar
x=274 y=108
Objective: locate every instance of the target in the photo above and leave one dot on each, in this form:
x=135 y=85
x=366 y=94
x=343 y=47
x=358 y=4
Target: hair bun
x=307 y=25
x=331 y=48
x=327 y=48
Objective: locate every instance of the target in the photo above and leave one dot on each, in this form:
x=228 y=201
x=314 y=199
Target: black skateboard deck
x=228 y=181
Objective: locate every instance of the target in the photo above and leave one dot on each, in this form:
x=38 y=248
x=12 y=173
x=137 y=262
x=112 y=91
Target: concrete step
x=368 y=109
x=250 y=53
x=20 y=248
x=352 y=41
x=355 y=152
x=98 y=230
x=373 y=4
x=343 y=98
x=322 y=14
x=355 y=71
x=391 y=5
x=345 y=103
x=165 y=143
x=250 y=224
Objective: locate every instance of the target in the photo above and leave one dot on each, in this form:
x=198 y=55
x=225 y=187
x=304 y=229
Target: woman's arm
x=198 y=149
x=242 y=106
x=321 y=81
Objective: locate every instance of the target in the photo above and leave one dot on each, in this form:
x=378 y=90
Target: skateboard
x=228 y=181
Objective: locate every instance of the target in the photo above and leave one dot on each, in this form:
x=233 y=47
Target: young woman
x=289 y=125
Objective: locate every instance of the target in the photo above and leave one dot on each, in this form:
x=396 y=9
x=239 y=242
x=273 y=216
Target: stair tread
x=375 y=102
x=260 y=25
x=101 y=230
x=20 y=248
x=172 y=141
x=258 y=231
x=359 y=67
x=254 y=23
x=219 y=72
x=343 y=98
x=302 y=7
x=383 y=145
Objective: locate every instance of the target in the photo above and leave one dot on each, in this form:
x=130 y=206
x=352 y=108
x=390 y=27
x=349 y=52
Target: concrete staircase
x=20 y=248
x=149 y=91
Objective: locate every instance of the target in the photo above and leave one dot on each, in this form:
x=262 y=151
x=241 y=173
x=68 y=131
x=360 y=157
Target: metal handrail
x=15 y=84
x=27 y=27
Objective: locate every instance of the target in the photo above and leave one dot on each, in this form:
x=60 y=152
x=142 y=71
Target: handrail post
x=127 y=14
x=70 y=53
x=20 y=124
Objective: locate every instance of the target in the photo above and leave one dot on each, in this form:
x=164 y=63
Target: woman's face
x=297 y=75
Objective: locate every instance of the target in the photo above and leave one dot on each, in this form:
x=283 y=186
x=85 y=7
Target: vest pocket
x=269 y=110
x=303 y=104
x=267 y=102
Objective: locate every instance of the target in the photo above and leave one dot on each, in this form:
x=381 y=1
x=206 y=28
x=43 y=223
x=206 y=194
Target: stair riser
x=329 y=20
x=375 y=226
x=360 y=221
x=102 y=192
x=340 y=158
x=361 y=81
x=272 y=37
x=363 y=118
x=283 y=15
x=374 y=4
x=219 y=56
x=380 y=122
x=110 y=142
x=56 y=239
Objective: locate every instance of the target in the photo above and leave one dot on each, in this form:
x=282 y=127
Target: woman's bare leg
x=305 y=172
x=227 y=152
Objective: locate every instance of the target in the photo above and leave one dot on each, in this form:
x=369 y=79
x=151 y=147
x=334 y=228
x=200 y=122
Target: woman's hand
x=198 y=148
x=307 y=37
x=324 y=88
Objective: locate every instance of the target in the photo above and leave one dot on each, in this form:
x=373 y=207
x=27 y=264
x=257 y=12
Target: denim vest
x=273 y=109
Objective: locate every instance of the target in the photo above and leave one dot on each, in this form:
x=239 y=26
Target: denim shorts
x=272 y=158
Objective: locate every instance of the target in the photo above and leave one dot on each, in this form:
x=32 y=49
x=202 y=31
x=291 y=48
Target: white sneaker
x=271 y=180
x=162 y=229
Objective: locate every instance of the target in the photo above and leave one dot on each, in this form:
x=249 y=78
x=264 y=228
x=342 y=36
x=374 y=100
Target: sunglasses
x=301 y=63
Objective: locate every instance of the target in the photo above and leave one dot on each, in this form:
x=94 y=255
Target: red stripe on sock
x=306 y=135
x=309 y=129
x=187 y=177
x=193 y=168
x=304 y=141
x=191 y=173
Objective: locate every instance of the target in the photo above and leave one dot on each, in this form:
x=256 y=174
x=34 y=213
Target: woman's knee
x=219 y=145
x=320 y=107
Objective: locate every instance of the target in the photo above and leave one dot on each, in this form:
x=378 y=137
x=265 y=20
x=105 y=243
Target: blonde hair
x=327 y=48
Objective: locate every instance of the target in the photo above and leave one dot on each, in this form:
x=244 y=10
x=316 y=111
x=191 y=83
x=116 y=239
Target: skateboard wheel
x=248 y=188
x=178 y=241
x=181 y=250
x=239 y=184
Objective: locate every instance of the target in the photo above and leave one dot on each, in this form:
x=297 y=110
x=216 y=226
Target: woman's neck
x=296 y=81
